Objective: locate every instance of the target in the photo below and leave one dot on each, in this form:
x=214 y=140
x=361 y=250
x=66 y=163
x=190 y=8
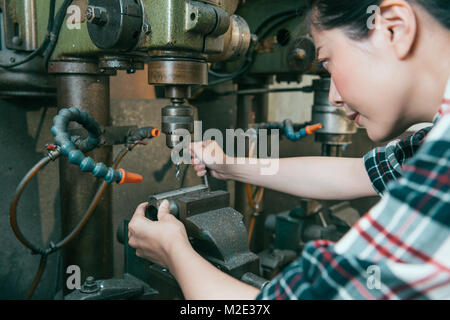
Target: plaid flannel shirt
x=401 y=248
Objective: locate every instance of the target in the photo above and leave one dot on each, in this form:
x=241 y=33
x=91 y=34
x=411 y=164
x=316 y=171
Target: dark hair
x=352 y=15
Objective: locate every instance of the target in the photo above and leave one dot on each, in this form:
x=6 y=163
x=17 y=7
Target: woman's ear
x=398 y=21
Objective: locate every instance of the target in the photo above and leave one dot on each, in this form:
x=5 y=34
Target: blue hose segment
x=76 y=156
x=87 y=164
x=113 y=175
x=289 y=131
x=74 y=150
x=287 y=128
x=100 y=170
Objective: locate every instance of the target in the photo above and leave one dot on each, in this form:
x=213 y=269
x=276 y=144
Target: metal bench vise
x=215 y=230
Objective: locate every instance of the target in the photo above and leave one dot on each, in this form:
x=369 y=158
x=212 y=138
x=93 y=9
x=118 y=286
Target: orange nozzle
x=313 y=128
x=130 y=177
x=156 y=132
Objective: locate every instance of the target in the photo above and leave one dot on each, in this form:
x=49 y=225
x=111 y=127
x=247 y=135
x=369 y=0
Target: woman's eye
x=325 y=64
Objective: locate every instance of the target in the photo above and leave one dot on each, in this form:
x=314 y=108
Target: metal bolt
x=90 y=285
x=89 y=14
x=147 y=29
x=17 y=41
x=300 y=54
x=97 y=15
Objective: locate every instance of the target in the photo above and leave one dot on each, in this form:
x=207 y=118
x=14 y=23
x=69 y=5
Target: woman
x=389 y=71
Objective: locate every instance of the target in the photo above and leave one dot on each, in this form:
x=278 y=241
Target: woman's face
x=368 y=80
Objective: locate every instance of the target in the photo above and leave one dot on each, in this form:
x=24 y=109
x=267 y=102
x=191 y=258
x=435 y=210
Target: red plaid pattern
x=399 y=250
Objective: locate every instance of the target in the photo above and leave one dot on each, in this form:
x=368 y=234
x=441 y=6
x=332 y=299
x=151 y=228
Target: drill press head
x=177 y=73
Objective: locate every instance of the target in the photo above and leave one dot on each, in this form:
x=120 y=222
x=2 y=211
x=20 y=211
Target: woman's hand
x=165 y=242
x=208 y=156
x=157 y=241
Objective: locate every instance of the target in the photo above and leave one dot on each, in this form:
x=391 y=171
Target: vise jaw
x=215 y=229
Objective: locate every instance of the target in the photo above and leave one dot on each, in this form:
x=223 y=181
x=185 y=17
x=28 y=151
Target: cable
x=307 y=89
x=13 y=207
x=249 y=58
x=46 y=252
x=94 y=201
x=255 y=204
x=44 y=44
x=53 y=29
x=276 y=16
x=37 y=278
x=59 y=20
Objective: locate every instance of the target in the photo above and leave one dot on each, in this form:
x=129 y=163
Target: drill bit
x=178 y=170
x=205 y=180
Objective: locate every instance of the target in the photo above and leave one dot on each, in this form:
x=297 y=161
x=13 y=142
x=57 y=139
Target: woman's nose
x=334 y=97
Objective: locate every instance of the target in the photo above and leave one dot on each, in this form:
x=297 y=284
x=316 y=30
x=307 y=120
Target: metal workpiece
x=115 y=24
x=337 y=128
x=188 y=201
x=236 y=41
x=81 y=84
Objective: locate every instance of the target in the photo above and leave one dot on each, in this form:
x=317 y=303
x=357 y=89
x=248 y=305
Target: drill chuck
x=177 y=122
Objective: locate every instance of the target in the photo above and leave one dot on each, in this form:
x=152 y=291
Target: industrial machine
x=71 y=48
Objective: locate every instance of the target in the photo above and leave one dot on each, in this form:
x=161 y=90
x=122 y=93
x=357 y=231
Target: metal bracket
x=111 y=136
x=19 y=22
x=129 y=287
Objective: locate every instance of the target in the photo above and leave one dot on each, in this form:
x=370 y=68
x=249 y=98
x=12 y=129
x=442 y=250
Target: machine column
x=81 y=84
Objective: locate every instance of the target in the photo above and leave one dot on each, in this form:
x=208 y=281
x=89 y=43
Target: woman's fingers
x=199 y=167
x=201 y=173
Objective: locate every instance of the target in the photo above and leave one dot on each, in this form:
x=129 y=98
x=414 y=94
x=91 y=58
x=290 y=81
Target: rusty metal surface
x=91 y=250
x=19 y=21
x=173 y=71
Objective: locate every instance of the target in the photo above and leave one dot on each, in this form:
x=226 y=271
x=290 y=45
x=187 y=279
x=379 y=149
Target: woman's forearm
x=200 y=280
x=324 y=178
